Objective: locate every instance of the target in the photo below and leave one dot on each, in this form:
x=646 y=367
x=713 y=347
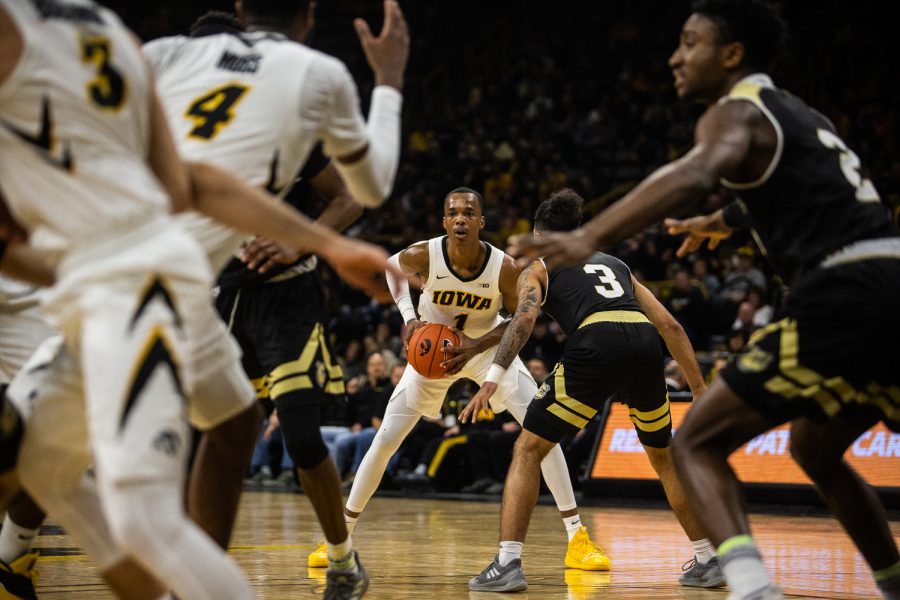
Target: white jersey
x=470 y=305
x=75 y=126
x=254 y=104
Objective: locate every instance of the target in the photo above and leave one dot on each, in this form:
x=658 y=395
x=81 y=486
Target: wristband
x=408 y=313
x=495 y=373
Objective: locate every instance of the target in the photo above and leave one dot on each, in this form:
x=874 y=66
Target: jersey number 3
x=214 y=110
x=610 y=288
x=107 y=89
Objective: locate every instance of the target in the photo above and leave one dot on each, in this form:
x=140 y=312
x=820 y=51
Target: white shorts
x=22 y=329
x=427 y=395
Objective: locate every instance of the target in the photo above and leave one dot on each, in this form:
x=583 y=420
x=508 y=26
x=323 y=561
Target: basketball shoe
x=495 y=578
x=584 y=554
x=18 y=578
x=346 y=584
x=700 y=575
x=318 y=558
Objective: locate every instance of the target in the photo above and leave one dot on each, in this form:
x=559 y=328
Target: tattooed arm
x=531 y=288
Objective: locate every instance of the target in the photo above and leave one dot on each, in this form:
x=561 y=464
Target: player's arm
x=369 y=167
x=12 y=45
x=531 y=289
x=724 y=137
x=23 y=262
x=413 y=264
x=673 y=334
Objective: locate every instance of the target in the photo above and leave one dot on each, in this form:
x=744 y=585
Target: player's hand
x=411 y=327
x=698 y=229
x=557 y=249
x=261 y=254
x=362 y=265
x=388 y=53
x=456 y=357
x=480 y=402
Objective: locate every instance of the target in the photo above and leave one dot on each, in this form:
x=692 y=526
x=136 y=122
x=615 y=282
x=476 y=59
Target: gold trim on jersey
x=614 y=316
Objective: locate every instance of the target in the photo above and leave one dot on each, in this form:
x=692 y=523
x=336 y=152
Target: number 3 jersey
x=254 y=104
x=75 y=126
x=470 y=304
x=574 y=293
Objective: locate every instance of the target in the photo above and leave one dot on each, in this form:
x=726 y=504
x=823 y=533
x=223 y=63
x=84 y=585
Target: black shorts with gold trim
x=282 y=330
x=835 y=351
x=604 y=358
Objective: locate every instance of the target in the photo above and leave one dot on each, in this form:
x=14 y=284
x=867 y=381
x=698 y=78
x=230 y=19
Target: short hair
x=276 y=9
x=559 y=212
x=215 y=21
x=756 y=24
x=465 y=190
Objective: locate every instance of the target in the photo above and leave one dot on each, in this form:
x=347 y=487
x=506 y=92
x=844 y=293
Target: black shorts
x=282 y=330
x=600 y=360
x=835 y=351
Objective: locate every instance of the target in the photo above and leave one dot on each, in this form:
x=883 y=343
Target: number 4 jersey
x=574 y=293
x=254 y=104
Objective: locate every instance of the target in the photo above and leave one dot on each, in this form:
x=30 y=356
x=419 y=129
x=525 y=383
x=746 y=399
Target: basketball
x=425 y=345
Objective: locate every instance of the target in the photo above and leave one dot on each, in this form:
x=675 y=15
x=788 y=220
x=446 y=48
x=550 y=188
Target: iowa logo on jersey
x=461 y=299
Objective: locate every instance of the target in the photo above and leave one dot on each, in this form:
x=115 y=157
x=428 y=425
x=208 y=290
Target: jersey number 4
x=214 y=110
x=610 y=288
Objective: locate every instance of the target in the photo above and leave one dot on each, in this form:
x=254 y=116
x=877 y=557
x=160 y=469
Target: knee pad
x=300 y=416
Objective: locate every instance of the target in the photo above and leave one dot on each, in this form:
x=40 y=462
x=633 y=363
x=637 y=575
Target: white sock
x=337 y=552
x=14 y=540
x=703 y=550
x=351 y=524
x=742 y=566
x=509 y=551
x=573 y=524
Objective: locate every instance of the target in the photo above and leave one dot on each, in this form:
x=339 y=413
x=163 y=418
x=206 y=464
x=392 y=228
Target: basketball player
x=830 y=365
x=465 y=284
x=255 y=103
x=612 y=347
x=79 y=116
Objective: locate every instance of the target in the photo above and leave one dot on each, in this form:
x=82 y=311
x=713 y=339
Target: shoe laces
x=340 y=584
x=591 y=545
x=689 y=564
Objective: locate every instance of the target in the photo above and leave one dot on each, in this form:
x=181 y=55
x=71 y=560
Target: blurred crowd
x=518 y=102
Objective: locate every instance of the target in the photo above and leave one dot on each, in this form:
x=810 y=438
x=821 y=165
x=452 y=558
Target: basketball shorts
x=22 y=329
x=281 y=328
x=427 y=395
x=835 y=351
x=602 y=359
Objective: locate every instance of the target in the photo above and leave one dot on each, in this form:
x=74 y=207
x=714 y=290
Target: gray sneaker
x=770 y=592
x=346 y=585
x=495 y=578
x=705 y=576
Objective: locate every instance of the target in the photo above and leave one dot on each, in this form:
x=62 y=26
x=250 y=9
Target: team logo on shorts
x=754 y=360
x=542 y=391
x=424 y=347
x=167 y=442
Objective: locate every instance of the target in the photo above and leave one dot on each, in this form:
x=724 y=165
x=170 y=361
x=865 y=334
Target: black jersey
x=236 y=274
x=813 y=198
x=602 y=283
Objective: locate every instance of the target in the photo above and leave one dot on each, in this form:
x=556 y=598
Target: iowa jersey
x=603 y=283
x=254 y=104
x=75 y=126
x=471 y=305
x=813 y=199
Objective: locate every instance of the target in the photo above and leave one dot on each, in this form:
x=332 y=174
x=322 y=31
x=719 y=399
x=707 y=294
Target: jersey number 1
x=611 y=287
x=214 y=110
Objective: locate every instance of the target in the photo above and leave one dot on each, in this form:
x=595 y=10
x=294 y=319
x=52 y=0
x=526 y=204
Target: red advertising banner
x=765 y=459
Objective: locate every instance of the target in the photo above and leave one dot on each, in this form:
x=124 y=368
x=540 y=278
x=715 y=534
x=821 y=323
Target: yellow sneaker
x=19 y=578
x=318 y=559
x=584 y=554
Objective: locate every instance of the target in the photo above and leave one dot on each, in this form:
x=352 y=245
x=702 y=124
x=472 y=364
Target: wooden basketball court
x=416 y=548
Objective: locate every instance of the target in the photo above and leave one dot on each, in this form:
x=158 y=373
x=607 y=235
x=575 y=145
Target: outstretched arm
x=724 y=137
x=531 y=292
x=673 y=334
x=413 y=264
